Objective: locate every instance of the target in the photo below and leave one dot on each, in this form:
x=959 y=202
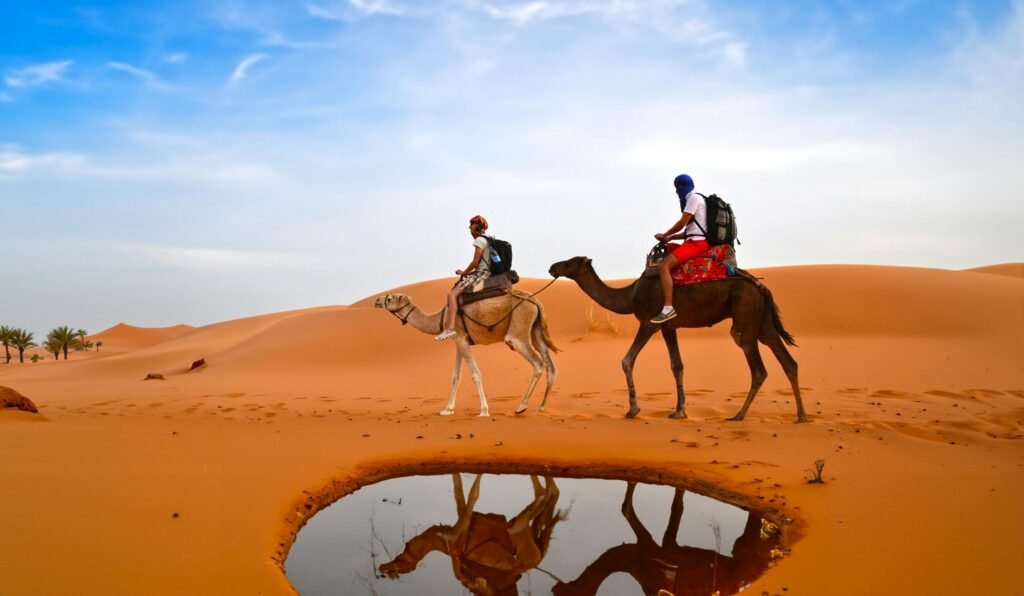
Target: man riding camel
x=693 y=224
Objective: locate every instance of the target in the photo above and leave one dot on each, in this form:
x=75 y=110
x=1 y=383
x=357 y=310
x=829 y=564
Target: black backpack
x=501 y=255
x=721 y=221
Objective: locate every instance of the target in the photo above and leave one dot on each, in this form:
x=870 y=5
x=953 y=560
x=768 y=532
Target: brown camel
x=489 y=552
x=755 y=317
x=671 y=568
x=517 y=319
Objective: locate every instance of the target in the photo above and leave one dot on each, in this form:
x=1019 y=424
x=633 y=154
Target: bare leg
x=643 y=335
x=643 y=537
x=456 y=375
x=467 y=513
x=453 y=307
x=460 y=495
x=672 y=342
x=474 y=371
x=665 y=275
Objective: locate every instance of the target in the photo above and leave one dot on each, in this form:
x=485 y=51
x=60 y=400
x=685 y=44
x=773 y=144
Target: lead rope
x=502 y=319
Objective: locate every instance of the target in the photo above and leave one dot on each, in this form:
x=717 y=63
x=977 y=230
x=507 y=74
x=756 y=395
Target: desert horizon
x=199 y=481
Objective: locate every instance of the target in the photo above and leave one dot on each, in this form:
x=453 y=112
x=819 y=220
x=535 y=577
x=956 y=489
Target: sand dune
x=1010 y=269
x=913 y=379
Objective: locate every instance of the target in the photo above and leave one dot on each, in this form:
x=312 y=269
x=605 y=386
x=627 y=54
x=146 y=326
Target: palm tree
x=6 y=334
x=53 y=346
x=22 y=340
x=66 y=337
x=99 y=345
x=83 y=342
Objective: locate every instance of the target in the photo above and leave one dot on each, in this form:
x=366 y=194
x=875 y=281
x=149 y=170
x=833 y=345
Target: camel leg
x=466 y=516
x=643 y=335
x=778 y=347
x=456 y=375
x=643 y=537
x=460 y=494
x=675 y=516
x=672 y=342
x=524 y=348
x=474 y=371
x=758 y=373
x=549 y=363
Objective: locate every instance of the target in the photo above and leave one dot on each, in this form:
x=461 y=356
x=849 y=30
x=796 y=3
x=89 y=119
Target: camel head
x=571 y=268
x=392 y=302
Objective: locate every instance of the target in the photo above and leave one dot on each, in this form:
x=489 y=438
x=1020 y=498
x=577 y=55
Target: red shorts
x=689 y=249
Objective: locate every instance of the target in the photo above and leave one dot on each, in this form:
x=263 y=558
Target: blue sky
x=165 y=162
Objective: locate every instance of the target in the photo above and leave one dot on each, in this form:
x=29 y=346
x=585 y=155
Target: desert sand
x=913 y=379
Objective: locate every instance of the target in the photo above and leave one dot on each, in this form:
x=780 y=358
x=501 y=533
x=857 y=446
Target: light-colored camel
x=489 y=552
x=517 y=319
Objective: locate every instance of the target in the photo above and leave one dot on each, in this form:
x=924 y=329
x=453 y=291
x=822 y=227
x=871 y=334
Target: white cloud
x=736 y=53
x=38 y=74
x=213 y=260
x=341 y=12
x=16 y=162
x=176 y=58
x=146 y=76
x=242 y=70
x=5 y=97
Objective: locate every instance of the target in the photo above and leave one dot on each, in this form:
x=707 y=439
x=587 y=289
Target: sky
x=191 y=162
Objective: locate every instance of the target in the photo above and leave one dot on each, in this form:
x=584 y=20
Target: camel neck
x=423 y=322
x=617 y=300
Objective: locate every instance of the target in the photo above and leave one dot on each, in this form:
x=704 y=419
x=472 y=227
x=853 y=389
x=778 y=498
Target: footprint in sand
x=854 y=390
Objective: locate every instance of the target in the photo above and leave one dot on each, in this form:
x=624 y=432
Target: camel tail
x=772 y=306
x=776 y=318
x=541 y=319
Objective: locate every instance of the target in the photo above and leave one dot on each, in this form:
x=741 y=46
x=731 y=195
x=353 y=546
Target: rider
x=692 y=223
x=477 y=272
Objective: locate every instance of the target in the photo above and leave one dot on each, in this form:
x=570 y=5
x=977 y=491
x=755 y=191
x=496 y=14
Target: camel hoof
x=520 y=410
x=632 y=412
x=677 y=415
x=447 y=412
x=484 y=415
x=736 y=418
x=801 y=419
x=542 y=408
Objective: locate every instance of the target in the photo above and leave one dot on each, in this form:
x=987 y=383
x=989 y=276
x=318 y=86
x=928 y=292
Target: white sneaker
x=446 y=334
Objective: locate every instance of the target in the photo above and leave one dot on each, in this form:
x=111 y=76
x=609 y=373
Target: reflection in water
x=362 y=545
x=489 y=552
x=679 y=570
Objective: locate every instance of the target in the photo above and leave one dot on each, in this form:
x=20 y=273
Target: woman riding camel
x=692 y=223
x=477 y=272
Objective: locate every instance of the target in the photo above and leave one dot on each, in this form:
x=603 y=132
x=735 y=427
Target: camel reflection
x=668 y=567
x=489 y=552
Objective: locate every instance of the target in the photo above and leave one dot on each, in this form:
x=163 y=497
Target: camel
x=669 y=568
x=515 y=318
x=755 y=317
x=489 y=552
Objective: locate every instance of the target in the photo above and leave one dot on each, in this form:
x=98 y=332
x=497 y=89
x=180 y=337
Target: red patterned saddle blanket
x=712 y=265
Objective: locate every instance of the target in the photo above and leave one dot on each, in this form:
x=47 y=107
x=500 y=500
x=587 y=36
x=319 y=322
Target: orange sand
x=914 y=384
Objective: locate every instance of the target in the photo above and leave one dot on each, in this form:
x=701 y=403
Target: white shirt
x=485 y=256
x=695 y=205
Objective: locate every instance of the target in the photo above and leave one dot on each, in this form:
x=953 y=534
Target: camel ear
x=379 y=303
x=587 y=260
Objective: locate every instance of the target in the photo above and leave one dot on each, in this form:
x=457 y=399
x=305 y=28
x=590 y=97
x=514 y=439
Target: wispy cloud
x=38 y=74
x=242 y=70
x=176 y=58
x=344 y=11
x=148 y=77
x=14 y=161
x=5 y=97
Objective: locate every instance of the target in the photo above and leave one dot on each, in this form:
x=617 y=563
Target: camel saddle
x=719 y=262
x=494 y=286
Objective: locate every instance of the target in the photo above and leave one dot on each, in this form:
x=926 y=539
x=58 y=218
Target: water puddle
x=505 y=534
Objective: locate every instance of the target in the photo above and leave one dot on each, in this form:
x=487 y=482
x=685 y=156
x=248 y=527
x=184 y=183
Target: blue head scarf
x=684 y=186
